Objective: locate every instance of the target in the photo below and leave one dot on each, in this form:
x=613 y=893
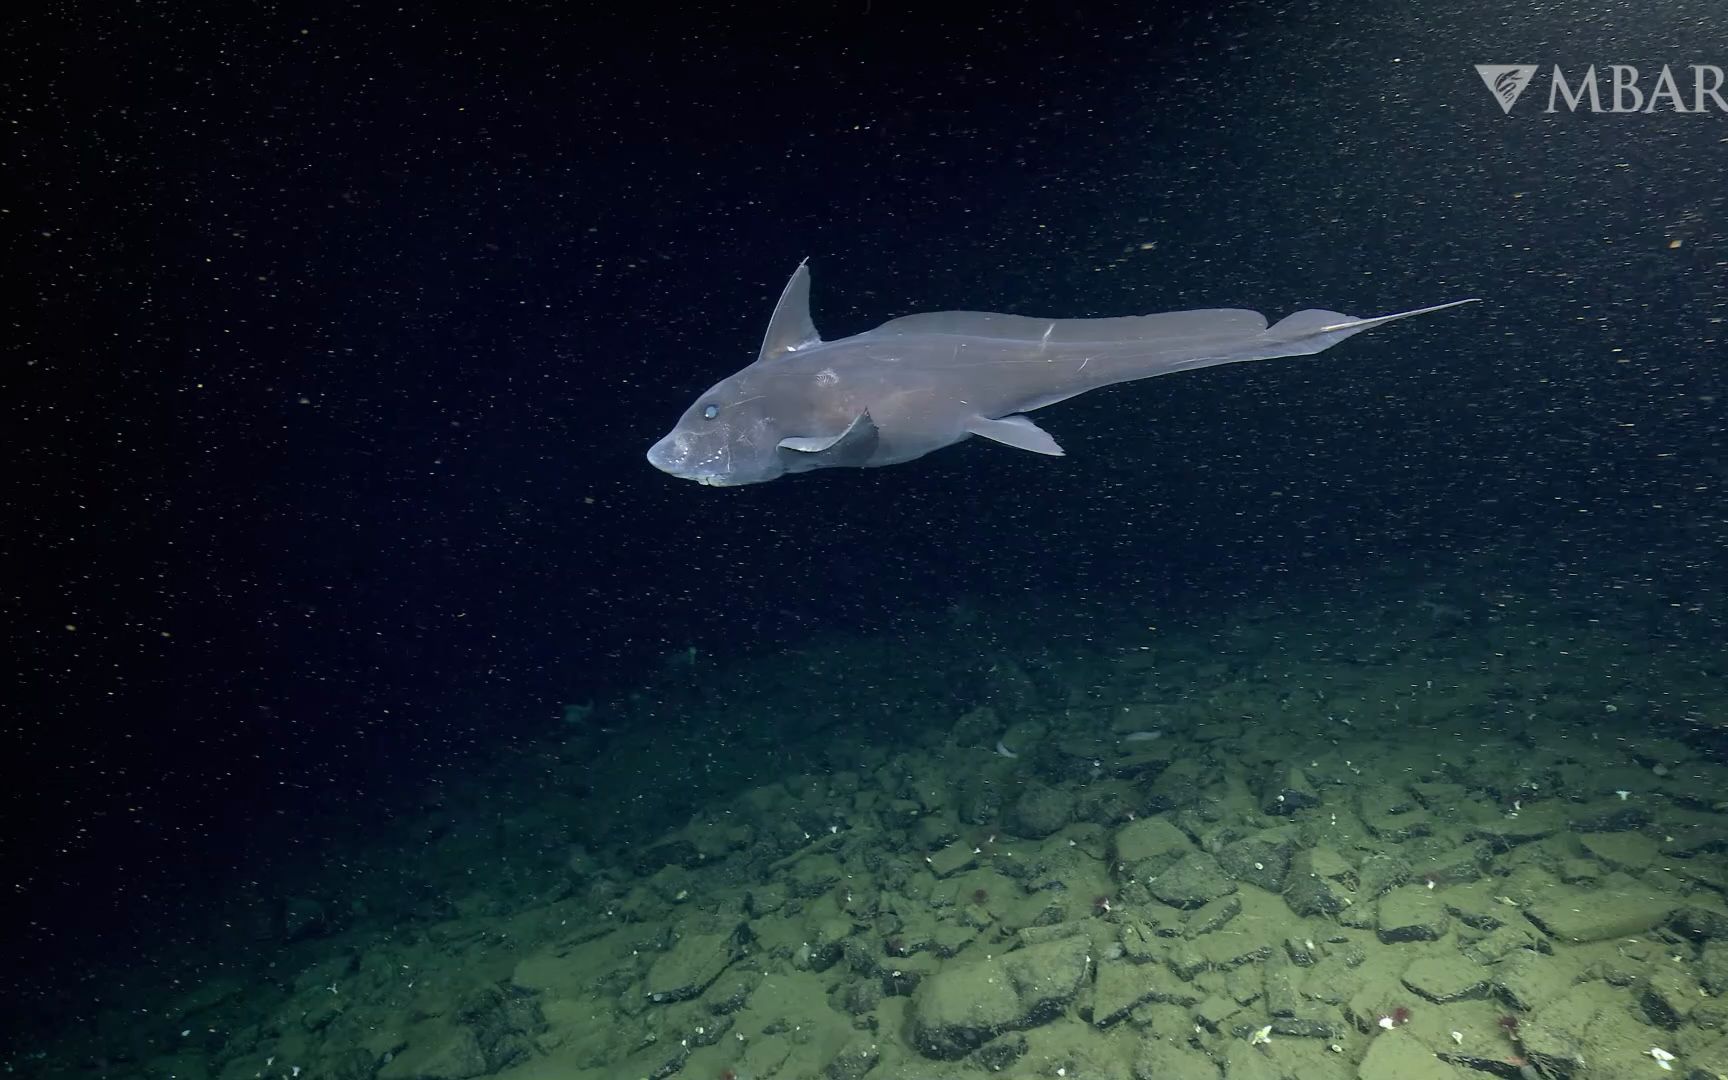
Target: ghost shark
x=922 y=382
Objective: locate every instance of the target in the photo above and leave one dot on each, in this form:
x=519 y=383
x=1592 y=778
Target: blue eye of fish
x=709 y=412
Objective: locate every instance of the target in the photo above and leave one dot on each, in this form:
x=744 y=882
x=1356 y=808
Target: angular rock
x=1440 y=799
x=1040 y=811
x=1262 y=859
x=504 y=1023
x=1621 y=850
x=1215 y=1012
x=1504 y=829
x=1194 y=880
x=963 y=1005
x=1391 y=813
x=1712 y=967
x=1186 y=961
x=1212 y=916
x=1382 y=872
x=1503 y=942
x=1668 y=998
x=1556 y=1037
x=814 y=874
x=1609 y=815
x=1335 y=978
x=953 y=859
x=998 y=1054
x=1527 y=979
x=1321 y=882
x=1298 y=1027
x=1283 y=998
x=1249 y=1063
x=674 y=852
x=1619 y=906
x=1701 y=921
x=354 y=1063
x=1449 y=866
x=1478 y=905
x=1399 y=1055
x=690 y=966
x=764 y=900
x=1121 y=987
x=858 y=996
x=1225 y=951
x=1185 y=783
x=453 y=1056
x=1160 y=1059
x=1444 y=979
x=731 y=993
x=1286 y=789
x=1147 y=839
x=1358 y=917
x=858 y=1057
x=1411 y=913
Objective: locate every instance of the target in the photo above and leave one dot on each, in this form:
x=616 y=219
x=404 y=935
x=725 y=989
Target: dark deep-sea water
x=380 y=711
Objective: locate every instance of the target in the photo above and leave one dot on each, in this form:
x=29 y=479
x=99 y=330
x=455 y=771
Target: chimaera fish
x=922 y=382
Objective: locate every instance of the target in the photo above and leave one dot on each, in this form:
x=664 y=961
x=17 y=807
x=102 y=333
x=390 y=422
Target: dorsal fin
x=790 y=329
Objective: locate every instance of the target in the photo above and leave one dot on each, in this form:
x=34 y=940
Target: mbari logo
x=1702 y=92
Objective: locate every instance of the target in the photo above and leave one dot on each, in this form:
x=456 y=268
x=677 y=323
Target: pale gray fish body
x=922 y=382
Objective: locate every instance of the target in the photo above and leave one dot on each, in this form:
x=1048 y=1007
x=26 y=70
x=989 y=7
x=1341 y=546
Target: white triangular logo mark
x=1506 y=81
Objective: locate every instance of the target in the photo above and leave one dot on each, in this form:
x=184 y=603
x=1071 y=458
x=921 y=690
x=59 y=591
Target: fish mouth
x=674 y=460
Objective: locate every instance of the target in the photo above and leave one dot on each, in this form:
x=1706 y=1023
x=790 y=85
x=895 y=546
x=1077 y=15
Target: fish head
x=727 y=438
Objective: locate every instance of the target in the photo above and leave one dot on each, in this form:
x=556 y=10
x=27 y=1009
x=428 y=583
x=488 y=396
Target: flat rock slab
x=1123 y=987
x=1622 y=850
x=1478 y=905
x=1443 y=979
x=451 y=1055
x=1456 y=866
x=1195 y=880
x=1161 y=1059
x=1618 y=907
x=1286 y=789
x=964 y=1005
x=565 y=971
x=1701 y=921
x=1587 y=1025
x=953 y=859
x=1398 y=1055
x=1441 y=798
x=1320 y=882
x=1262 y=859
x=1412 y=913
x=1211 y=917
x=1392 y=813
x=1504 y=828
x=690 y=966
x=1608 y=815
x=1225 y=951
x=814 y=874
x=1150 y=838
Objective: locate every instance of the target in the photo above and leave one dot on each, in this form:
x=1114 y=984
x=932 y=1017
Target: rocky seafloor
x=1457 y=844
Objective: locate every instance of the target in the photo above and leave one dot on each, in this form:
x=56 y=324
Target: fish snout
x=669 y=455
x=679 y=455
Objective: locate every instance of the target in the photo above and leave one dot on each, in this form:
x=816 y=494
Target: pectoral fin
x=851 y=447
x=1016 y=431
